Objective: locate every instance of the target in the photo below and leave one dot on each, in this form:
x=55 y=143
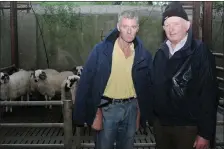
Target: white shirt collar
x=178 y=46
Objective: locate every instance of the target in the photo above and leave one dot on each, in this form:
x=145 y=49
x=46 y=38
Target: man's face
x=128 y=29
x=175 y=28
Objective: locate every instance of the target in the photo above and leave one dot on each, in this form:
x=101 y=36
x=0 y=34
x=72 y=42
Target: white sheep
x=15 y=85
x=50 y=84
x=39 y=74
x=69 y=85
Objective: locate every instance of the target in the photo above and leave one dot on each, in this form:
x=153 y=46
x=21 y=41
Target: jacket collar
x=114 y=34
x=110 y=40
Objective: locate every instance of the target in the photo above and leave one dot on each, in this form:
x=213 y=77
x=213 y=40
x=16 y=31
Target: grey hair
x=130 y=14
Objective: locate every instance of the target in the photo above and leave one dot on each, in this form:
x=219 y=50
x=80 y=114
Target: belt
x=121 y=100
x=112 y=100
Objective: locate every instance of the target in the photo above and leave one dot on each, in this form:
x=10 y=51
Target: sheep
x=15 y=85
x=49 y=84
x=78 y=70
x=69 y=85
x=38 y=74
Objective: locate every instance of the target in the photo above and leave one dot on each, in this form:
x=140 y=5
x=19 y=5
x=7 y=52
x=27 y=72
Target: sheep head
x=39 y=74
x=70 y=81
x=78 y=70
x=4 y=78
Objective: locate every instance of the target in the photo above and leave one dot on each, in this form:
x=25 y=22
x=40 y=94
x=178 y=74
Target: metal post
x=196 y=19
x=1 y=18
x=67 y=113
x=207 y=39
x=207 y=24
x=77 y=141
x=14 y=34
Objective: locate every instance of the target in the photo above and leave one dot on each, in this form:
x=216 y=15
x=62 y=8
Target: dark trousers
x=174 y=137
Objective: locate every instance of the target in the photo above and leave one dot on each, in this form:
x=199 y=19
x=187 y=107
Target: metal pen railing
x=66 y=125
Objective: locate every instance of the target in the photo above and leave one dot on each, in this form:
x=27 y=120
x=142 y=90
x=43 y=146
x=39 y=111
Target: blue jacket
x=97 y=71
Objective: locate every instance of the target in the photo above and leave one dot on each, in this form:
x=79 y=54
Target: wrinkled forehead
x=174 y=19
x=128 y=22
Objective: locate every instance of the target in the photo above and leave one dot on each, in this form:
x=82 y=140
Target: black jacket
x=198 y=105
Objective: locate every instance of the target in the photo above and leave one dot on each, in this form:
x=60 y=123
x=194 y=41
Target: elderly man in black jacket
x=185 y=88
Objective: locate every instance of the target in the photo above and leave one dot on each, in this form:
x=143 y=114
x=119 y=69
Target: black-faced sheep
x=4 y=79
x=40 y=74
x=78 y=70
x=69 y=86
x=15 y=85
x=50 y=84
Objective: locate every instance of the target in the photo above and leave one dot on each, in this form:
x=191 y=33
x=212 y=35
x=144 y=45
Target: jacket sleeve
x=208 y=95
x=151 y=116
x=148 y=102
x=83 y=92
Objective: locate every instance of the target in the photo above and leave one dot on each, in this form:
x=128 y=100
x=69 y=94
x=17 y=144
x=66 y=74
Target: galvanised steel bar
x=32 y=125
x=30 y=103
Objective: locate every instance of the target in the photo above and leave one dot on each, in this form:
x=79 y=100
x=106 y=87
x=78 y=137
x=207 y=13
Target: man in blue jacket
x=115 y=78
x=184 y=85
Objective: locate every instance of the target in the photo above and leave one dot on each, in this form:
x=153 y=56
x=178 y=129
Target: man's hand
x=201 y=143
x=98 y=121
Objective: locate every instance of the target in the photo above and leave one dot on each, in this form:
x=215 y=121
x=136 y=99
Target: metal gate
x=66 y=126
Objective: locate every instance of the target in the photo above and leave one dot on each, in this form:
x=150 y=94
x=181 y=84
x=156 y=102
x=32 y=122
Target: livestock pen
x=63 y=46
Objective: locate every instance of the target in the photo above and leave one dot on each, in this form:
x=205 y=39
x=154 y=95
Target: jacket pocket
x=104 y=105
x=180 y=81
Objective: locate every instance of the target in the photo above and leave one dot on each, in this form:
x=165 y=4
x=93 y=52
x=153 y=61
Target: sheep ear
x=66 y=87
x=44 y=73
x=75 y=71
x=7 y=75
x=6 y=79
x=32 y=74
